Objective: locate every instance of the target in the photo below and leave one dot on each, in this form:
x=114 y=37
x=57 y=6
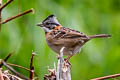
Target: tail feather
x=99 y=36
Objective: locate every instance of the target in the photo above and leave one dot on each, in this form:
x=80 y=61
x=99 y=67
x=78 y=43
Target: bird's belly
x=76 y=49
x=67 y=51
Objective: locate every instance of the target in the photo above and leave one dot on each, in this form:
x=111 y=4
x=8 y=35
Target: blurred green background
x=99 y=57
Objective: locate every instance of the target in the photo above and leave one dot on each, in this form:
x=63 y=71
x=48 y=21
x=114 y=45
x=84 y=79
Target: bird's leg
x=68 y=58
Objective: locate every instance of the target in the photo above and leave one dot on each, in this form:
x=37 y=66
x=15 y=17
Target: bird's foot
x=67 y=60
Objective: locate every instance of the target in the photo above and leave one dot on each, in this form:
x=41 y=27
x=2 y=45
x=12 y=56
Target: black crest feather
x=52 y=15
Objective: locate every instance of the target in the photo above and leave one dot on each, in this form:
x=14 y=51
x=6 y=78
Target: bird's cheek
x=46 y=29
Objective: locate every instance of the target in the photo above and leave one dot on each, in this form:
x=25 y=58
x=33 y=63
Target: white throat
x=46 y=29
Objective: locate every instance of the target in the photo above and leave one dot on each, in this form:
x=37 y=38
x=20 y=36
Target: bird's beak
x=40 y=24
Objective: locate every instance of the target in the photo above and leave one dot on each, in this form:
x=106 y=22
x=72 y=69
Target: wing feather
x=69 y=33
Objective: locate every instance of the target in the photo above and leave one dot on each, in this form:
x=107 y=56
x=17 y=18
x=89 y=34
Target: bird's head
x=49 y=23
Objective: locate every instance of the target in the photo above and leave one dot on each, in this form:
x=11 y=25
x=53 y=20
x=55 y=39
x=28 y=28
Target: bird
x=58 y=36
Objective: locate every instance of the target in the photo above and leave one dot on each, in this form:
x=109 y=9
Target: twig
x=7 y=57
x=18 y=66
x=0 y=14
x=32 y=67
x=21 y=67
x=63 y=68
x=0 y=20
x=60 y=65
x=14 y=71
x=1 y=7
x=0 y=2
x=18 y=15
x=1 y=75
x=4 y=5
x=107 y=77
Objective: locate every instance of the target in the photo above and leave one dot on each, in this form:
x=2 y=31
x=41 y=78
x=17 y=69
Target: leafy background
x=99 y=57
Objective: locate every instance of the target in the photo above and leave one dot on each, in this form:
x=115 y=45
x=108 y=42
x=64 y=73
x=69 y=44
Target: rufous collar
x=57 y=27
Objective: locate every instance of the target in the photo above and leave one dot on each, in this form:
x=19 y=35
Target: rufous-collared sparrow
x=58 y=36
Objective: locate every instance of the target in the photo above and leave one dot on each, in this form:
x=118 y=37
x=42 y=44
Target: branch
x=18 y=66
x=0 y=14
x=14 y=71
x=18 y=15
x=107 y=77
x=1 y=7
x=63 y=69
x=21 y=67
x=32 y=67
x=1 y=75
x=60 y=65
x=0 y=2
x=7 y=57
x=4 y=5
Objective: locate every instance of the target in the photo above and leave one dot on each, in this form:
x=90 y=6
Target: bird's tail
x=99 y=36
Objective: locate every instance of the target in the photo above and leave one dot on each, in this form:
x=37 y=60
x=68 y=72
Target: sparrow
x=58 y=36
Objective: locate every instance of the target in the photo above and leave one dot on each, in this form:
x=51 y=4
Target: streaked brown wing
x=66 y=36
x=68 y=33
